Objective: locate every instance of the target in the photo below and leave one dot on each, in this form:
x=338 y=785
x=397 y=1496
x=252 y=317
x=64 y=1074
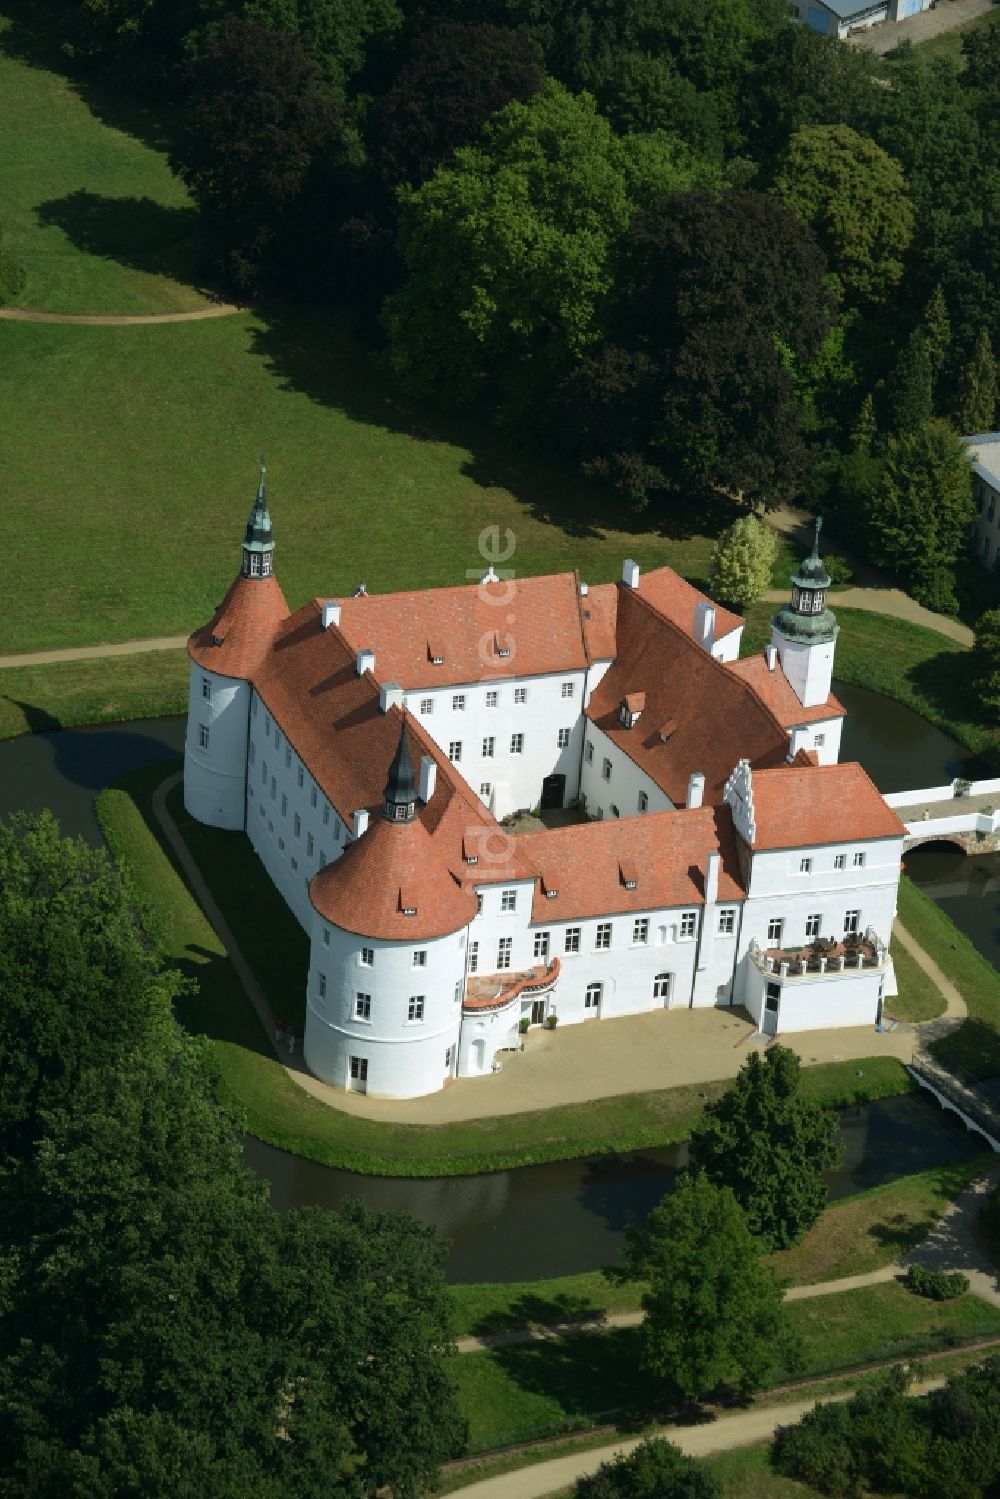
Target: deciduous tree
x=770 y=1146
x=853 y=196
x=742 y=562
x=714 y=1313
x=654 y=1470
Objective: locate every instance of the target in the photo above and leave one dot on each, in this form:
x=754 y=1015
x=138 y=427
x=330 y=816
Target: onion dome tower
x=804 y=631
x=401 y=787
x=225 y=654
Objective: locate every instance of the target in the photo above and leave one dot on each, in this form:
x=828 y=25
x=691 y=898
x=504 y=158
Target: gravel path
x=118 y=320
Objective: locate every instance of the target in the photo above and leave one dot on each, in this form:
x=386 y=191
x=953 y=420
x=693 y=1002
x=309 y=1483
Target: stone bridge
x=966 y=813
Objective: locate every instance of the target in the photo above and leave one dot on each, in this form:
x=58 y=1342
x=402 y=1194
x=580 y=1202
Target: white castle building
x=369 y=746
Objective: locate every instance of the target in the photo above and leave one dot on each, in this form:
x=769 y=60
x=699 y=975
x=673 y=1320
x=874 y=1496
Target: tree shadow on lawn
x=136 y=232
x=530 y=1309
x=974 y=1048
x=311 y=350
x=949 y=683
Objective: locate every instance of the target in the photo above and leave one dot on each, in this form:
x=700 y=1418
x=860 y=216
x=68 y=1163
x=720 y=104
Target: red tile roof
x=676 y=599
x=390 y=869
x=716 y=716
x=819 y=804
x=537 y=619
x=244 y=625
x=599 y=608
x=773 y=688
x=666 y=852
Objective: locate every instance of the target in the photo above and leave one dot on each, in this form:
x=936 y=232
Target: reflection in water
x=899 y=749
x=560 y=1219
x=966 y=887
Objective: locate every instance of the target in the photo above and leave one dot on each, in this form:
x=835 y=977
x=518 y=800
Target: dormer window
x=551 y=894
x=399 y=811
x=255 y=561
x=625 y=718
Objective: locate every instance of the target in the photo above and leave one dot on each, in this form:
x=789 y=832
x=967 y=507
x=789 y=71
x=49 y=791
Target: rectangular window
x=455 y=751
x=567 y=689
x=805 y=866
x=267 y=725
x=852 y=923
x=819 y=740
x=606 y=770
x=588 y=753
x=689 y=922
x=449 y=1054
x=326 y=814
x=488 y=747
x=253 y=705
x=284 y=805
x=359 y=1069
x=517 y=744
x=321 y=981
x=492 y=698
x=485 y=790
x=426 y=705
x=504 y=947
x=592 y=998
x=419 y=957
x=643 y=802
x=326 y=936
x=508 y=900
x=297 y=826
x=563 y=738
x=640 y=931
x=520 y=694
x=309 y=844
x=301 y=777
x=840 y=861
x=572 y=942
x=322 y=858
x=813 y=924
x=288 y=757
x=362 y=1007
x=602 y=937
x=203 y=735
x=312 y=797
x=775 y=927
x=473 y=957
x=541 y=944
x=479 y=903
x=206 y=689
x=274 y=787
x=859 y=861
x=415 y=1008
x=727 y=923
x=367 y=957
x=458 y=992
x=458 y=702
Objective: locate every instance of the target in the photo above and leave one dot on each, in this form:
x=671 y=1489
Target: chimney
x=428 y=777
x=771 y=656
x=696 y=789
x=331 y=613
x=630 y=573
x=712 y=878
x=365 y=661
x=360 y=821
x=584 y=589
x=390 y=696
x=704 y=625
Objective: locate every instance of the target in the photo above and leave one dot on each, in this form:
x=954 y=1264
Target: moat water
x=550 y=1220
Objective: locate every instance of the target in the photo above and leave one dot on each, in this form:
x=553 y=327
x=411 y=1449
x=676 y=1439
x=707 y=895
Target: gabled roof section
x=591 y=867
x=820 y=804
x=537 y=621
x=599 y=610
x=716 y=716
x=676 y=599
x=774 y=689
x=242 y=629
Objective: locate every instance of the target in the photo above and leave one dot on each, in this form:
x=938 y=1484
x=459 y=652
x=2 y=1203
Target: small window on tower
x=206 y=689
x=203 y=735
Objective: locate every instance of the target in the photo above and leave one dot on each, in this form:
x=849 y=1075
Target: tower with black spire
x=258 y=542
x=805 y=631
x=401 y=787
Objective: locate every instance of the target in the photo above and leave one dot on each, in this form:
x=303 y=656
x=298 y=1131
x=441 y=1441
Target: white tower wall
x=215 y=774
x=809 y=668
x=406 y=1059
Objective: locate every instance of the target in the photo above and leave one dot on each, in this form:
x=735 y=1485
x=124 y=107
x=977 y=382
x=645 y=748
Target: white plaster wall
x=777 y=889
x=486 y=1035
x=626 y=970
x=804 y=736
x=274 y=800
x=727 y=647
x=215 y=778
x=627 y=780
x=515 y=779
x=492 y=923
x=405 y=1059
x=829 y=1000
x=809 y=668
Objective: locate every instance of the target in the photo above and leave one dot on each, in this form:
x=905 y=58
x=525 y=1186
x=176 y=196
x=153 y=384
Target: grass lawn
x=94 y=213
x=279 y=1112
x=747 y=1474
x=949 y=43
x=919 y=998
x=975 y=1047
x=34 y=698
x=518 y=1394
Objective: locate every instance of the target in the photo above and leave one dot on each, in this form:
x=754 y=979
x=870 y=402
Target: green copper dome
x=806 y=618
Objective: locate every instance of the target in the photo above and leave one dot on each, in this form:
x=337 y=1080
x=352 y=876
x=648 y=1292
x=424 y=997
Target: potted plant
x=551 y=1020
x=523 y=1024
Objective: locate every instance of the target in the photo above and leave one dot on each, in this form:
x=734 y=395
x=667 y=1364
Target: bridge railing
x=958 y=788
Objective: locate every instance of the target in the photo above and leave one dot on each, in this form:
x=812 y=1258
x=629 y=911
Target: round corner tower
x=804 y=631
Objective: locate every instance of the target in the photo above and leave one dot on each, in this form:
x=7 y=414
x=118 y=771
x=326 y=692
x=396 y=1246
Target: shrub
x=937 y=1285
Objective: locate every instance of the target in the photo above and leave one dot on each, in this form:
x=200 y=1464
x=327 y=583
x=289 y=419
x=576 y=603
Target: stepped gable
x=710 y=717
x=242 y=629
x=393 y=869
x=819 y=804
x=774 y=689
x=676 y=599
x=536 y=619
x=309 y=682
x=664 y=852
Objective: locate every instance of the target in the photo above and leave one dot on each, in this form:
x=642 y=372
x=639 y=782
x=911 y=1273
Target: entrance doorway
x=478 y=1055
x=772 y=1000
x=592 y=1001
x=553 y=792
x=358 y=1080
x=537 y=1011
